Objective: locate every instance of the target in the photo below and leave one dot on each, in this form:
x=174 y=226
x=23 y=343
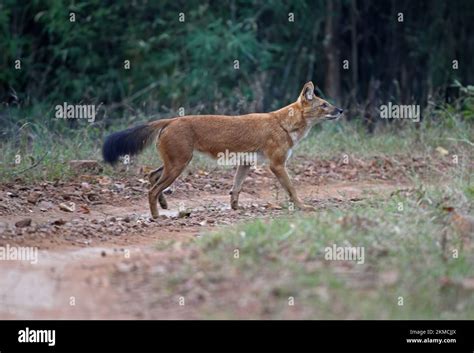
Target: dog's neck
x=291 y=118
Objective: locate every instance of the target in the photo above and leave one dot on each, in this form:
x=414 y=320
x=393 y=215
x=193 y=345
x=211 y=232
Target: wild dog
x=271 y=135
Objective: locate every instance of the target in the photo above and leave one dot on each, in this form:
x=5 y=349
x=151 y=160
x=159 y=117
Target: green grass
x=405 y=256
x=333 y=139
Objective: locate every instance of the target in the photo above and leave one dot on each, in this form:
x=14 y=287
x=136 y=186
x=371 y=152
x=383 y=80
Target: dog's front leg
x=282 y=175
x=242 y=172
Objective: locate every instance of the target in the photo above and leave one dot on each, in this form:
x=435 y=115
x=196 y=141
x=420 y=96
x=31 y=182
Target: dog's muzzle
x=335 y=114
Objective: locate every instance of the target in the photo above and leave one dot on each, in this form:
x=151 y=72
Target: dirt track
x=83 y=253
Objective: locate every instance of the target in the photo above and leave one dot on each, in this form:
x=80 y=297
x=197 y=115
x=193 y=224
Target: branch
x=34 y=165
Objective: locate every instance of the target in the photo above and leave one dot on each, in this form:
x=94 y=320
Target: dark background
x=190 y=64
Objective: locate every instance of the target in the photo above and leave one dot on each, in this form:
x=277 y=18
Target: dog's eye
x=324 y=105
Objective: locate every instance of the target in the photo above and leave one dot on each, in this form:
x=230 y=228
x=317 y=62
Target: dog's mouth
x=333 y=117
x=335 y=114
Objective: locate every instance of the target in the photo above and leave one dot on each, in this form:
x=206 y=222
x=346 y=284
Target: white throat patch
x=297 y=136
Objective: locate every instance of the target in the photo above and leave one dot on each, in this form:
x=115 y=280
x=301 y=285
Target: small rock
x=23 y=223
x=33 y=198
x=184 y=214
x=67 y=206
x=59 y=222
x=45 y=205
x=118 y=187
x=92 y=197
x=3 y=227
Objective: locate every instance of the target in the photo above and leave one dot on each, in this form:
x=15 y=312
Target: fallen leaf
x=84 y=209
x=442 y=151
x=104 y=180
x=146 y=169
x=273 y=206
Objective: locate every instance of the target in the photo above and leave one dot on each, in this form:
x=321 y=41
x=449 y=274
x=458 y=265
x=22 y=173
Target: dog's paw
x=234 y=204
x=305 y=208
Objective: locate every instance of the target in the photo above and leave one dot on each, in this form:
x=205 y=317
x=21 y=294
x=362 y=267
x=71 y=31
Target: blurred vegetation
x=182 y=54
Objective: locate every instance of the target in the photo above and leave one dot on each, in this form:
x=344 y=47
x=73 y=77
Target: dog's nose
x=340 y=111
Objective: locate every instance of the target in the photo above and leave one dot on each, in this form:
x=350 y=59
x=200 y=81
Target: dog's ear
x=307 y=93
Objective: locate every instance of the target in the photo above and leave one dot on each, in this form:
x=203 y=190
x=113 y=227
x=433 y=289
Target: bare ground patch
x=104 y=252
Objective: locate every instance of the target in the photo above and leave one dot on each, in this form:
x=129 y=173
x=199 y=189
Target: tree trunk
x=332 y=53
x=354 y=64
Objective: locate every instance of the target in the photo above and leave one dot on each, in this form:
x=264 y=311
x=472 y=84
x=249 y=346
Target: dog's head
x=315 y=108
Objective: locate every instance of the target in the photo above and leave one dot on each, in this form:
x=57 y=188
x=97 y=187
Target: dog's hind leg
x=153 y=177
x=242 y=172
x=175 y=155
x=169 y=175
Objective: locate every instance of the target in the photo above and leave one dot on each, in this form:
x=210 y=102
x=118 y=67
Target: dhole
x=272 y=135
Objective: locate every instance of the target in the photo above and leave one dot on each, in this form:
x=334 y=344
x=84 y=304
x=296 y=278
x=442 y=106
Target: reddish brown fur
x=271 y=134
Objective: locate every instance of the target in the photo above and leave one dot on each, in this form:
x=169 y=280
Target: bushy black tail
x=131 y=141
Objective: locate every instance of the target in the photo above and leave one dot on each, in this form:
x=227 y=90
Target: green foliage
x=191 y=63
x=467 y=101
x=459 y=111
